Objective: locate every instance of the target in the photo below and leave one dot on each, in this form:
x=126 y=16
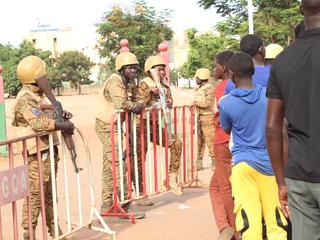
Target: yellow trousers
x=256 y=196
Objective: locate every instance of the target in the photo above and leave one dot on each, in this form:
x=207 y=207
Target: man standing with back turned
x=293 y=93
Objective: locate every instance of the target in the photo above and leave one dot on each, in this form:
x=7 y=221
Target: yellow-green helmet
x=125 y=58
x=31 y=68
x=272 y=50
x=153 y=61
x=203 y=74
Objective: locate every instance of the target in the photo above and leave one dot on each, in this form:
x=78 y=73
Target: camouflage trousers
x=35 y=201
x=103 y=131
x=202 y=147
x=175 y=149
x=206 y=137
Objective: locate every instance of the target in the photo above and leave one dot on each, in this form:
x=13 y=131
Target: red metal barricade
x=154 y=157
x=16 y=164
x=14 y=186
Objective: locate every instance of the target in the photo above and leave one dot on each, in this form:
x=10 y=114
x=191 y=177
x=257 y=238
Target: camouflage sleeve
x=118 y=95
x=144 y=94
x=169 y=96
x=204 y=98
x=32 y=113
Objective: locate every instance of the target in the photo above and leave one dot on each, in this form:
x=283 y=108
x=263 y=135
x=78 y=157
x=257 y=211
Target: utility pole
x=250 y=16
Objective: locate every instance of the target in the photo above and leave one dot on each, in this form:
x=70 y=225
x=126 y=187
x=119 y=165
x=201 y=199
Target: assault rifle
x=163 y=103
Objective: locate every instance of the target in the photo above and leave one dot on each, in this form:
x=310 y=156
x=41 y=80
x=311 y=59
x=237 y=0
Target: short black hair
x=223 y=58
x=241 y=64
x=250 y=44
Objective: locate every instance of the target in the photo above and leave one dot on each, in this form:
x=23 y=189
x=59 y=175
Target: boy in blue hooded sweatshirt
x=254 y=187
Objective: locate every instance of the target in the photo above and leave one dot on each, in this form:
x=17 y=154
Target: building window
x=34 y=41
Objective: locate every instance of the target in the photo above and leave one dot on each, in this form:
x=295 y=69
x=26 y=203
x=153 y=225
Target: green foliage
x=225 y=8
x=144 y=27
x=73 y=67
x=174 y=75
x=202 y=50
x=104 y=72
x=9 y=59
x=274 y=20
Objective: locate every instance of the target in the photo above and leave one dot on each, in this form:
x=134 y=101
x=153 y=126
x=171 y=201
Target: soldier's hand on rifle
x=65 y=126
x=155 y=90
x=46 y=106
x=138 y=107
x=67 y=115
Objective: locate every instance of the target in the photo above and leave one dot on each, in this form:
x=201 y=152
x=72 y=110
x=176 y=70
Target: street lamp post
x=250 y=16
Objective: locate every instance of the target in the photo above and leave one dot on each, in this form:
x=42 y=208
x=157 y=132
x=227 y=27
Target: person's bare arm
x=274 y=125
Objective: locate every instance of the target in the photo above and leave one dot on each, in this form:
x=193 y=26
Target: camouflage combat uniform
x=149 y=98
x=114 y=95
x=204 y=101
x=30 y=117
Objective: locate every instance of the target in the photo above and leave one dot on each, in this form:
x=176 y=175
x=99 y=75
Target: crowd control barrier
x=134 y=157
x=72 y=210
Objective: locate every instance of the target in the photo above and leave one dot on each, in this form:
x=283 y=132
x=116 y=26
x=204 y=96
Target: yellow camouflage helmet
x=124 y=59
x=272 y=50
x=31 y=68
x=153 y=61
x=203 y=74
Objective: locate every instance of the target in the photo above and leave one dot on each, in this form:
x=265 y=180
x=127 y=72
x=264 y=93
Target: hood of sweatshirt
x=248 y=95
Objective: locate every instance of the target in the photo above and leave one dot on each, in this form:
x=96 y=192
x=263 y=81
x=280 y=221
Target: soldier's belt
x=206 y=114
x=206 y=118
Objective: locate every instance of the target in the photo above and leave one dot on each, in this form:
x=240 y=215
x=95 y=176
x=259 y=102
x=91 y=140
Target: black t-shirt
x=295 y=78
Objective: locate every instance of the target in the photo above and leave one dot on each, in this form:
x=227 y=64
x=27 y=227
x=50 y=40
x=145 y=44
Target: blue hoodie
x=244 y=112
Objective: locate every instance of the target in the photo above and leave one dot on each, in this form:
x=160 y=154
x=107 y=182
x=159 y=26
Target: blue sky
x=17 y=17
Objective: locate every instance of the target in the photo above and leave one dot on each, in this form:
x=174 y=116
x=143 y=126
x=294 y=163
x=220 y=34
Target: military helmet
x=31 y=68
x=203 y=74
x=153 y=61
x=125 y=58
x=272 y=50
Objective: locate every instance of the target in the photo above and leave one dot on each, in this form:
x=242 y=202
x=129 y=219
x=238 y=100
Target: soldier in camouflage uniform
x=201 y=140
x=32 y=114
x=149 y=94
x=204 y=101
x=118 y=92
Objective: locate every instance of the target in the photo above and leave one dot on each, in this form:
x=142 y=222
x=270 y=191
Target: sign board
x=14 y=184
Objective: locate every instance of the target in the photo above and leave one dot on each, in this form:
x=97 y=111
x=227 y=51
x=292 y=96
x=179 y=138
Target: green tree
x=9 y=59
x=73 y=67
x=144 y=27
x=202 y=50
x=174 y=75
x=225 y=8
x=274 y=20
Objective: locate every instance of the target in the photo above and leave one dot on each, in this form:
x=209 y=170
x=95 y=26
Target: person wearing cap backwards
x=118 y=92
x=148 y=92
x=32 y=114
x=272 y=51
x=204 y=101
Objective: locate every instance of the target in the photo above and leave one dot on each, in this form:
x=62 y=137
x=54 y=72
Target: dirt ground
x=188 y=217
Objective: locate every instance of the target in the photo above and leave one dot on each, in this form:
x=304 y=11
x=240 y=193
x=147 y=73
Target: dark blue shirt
x=260 y=77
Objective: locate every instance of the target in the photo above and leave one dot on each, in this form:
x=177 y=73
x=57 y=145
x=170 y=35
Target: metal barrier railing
x=71 y=226
x=152 y=163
